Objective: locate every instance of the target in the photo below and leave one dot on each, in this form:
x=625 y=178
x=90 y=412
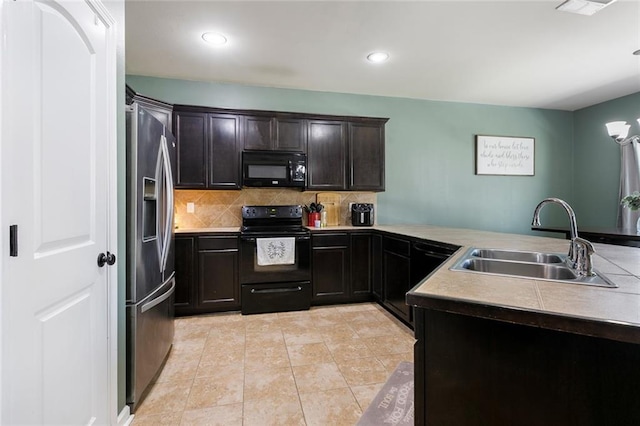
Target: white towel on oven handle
x=276 y=251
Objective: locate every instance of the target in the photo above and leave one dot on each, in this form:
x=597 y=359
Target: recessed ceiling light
x=215 y=39
x=377 y=57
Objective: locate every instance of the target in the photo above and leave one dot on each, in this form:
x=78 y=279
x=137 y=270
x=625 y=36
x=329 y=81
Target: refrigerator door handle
x=155 y=302
x=168 y=187
x=160 y=195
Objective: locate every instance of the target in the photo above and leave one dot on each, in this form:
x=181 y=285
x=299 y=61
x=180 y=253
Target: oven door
x=251 y=272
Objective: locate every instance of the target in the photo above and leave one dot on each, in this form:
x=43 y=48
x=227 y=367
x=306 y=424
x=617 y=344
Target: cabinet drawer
x=331 y=240
x=394 y=245
x=217 y=243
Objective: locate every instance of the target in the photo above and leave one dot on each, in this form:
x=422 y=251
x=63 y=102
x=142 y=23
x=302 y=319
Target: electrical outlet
x=191 y=208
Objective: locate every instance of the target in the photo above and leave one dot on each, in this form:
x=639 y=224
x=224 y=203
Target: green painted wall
x=597 y=159
x=429 y=150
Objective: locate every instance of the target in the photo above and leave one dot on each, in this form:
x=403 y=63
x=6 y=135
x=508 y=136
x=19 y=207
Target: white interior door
x=58 y=133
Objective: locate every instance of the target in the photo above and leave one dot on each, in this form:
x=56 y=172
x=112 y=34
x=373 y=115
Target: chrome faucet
x=580 y=250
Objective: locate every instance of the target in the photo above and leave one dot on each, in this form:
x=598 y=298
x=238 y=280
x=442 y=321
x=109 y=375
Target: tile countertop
x=207 y=230
x=595 y=311
x=237 y=229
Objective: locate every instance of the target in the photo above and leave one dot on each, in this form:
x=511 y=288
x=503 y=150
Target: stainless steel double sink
x=525 y=264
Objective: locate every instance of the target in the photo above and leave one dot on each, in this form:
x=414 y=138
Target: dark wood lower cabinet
x=330 y=268
x=347 y=267
x=218 y=288
x=405 y=264
x=377 y=279
x=341 y=267
x=207 y=274
x=185 y=252
x=397 y=276
x=361 y=248
x=474 y=371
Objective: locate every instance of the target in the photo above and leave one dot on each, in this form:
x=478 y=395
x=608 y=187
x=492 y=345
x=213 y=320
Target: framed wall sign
x=505 y=155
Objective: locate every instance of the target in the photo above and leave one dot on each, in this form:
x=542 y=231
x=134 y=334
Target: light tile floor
x=316 y=367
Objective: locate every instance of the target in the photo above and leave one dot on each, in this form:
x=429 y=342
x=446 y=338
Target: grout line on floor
x=305 y=322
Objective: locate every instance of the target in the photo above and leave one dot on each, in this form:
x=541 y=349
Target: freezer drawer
x=150 y=332
x=276 y=297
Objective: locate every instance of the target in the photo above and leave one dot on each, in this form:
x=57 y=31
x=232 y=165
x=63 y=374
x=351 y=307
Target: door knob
x=108 y=258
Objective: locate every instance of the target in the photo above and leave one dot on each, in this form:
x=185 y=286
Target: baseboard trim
x=125 y=417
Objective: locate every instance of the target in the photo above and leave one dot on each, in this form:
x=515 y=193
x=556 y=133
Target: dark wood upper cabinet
x=208 y=152
x=326 y=155
x=190 y=130
x=346 y=156
x=366 y=156
x=291 y=134
x=258 y=133
x=266 y=133
x=224 y=155
x=343 y=153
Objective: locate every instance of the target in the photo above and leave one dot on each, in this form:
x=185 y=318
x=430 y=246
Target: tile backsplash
x=216 y=209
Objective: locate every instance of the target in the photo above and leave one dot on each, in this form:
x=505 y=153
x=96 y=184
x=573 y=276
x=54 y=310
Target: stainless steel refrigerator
x=150 y=250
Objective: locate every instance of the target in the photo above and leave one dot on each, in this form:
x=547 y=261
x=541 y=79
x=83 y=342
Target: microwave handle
x=290 y=171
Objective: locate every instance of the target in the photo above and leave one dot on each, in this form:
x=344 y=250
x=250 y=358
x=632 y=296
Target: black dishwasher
x=426 y=257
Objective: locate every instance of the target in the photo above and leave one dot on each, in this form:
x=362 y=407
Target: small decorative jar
x=323 y=219
x=312 y=218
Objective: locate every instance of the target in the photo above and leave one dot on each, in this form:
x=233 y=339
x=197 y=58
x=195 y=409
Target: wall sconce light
x=619 y=130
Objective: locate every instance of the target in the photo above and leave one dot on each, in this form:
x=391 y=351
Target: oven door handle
x=276 y=290
x=298 y=238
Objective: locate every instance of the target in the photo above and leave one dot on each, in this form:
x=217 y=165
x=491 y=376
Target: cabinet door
x=361 y=245
x=291 y=135
x=224 y=155
x=185 y=296
x=376 y=268
x=190 y=130
x=219 y=286
x=397 y=276
x=326 y=155
x=366 y=156
x=330 y=268
x=397 y=283
x=258 y=133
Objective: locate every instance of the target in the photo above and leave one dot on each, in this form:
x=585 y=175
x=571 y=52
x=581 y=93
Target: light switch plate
x=191 y=208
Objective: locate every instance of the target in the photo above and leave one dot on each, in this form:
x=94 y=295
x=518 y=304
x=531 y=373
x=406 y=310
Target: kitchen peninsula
x=501 y=350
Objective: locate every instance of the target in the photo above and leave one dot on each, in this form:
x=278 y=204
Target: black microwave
x=274 y=169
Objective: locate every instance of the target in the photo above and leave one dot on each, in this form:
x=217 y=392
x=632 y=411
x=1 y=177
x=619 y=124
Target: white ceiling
x=513 y=53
